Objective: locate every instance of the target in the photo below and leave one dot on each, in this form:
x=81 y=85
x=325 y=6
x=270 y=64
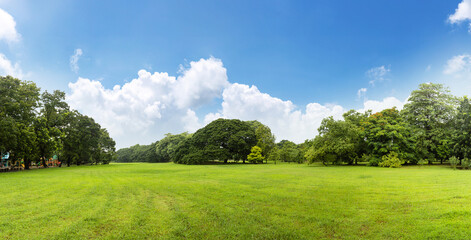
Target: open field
x=169 y=201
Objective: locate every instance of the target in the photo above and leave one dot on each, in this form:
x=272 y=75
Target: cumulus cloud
x=7 y=68
x=378 y=106
x=200 y=83
x=458 y=65
x=283 y=117
x=74 y=60
x=8 y=27
x=462 y=14
x=151 y=105
x=377 y=74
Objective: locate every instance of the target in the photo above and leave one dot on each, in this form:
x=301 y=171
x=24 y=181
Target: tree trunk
x=27 y=162
x=225 y=161
x=44 y=162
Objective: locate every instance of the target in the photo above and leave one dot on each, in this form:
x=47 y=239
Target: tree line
x=223 y=140
x=433 y=126
x=34 y=126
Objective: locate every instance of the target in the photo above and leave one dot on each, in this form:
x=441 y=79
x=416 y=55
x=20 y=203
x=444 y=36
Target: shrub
x=466 y=163
x=391 y=160
x=454 y=162
x=422 y=162
x=372 y=160
x=256 y=155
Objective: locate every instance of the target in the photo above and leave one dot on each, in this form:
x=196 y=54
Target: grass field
x=284 y=201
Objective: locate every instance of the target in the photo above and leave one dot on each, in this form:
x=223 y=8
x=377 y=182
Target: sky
x=142 y=69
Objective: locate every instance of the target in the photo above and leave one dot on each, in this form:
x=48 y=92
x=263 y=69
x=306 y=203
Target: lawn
x=283 y=201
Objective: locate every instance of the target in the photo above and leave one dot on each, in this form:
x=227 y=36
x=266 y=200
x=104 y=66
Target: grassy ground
x=169 y=201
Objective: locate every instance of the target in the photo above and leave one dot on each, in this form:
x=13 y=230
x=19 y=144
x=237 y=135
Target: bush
x=466 y=163
x=372 y=160
x=454 y=162
x=391 y=160
x=256 y=155
x=422 y=162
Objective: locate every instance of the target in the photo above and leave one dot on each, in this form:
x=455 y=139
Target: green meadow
x=235 y=201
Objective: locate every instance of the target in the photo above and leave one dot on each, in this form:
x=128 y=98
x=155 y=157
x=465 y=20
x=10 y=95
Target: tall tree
x=429 y=111
x=387 y=132
x=222 y=139
x=462 y=130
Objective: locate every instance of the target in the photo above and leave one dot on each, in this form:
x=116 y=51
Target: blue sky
x=305 y=59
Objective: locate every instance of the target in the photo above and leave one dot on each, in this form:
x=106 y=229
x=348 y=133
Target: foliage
x=430 y=111
x=256 y=155
x=454 y=161
x=466 y=163
x=36 y=126
x=338 y=141
x=391 y=160
x=386 y=132
x=221 y=140
x=265 y=138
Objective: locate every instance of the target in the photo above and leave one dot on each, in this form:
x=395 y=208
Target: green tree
x=265 y=138
x=429 y=111
x=166 y=148
x=222 y=139
x=18 y=103
x=461 y=139
x=338 y=141
x=387 y=132
x=256 y=155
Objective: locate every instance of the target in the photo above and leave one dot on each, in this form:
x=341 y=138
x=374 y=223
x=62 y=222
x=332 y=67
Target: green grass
x=283 y=201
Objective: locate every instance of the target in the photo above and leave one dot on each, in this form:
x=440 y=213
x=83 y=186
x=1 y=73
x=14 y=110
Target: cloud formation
x=153 y=104
x=458 y=65
x=8 y=27
x=74 y=60
x=462 y=14
x=283 y=117
x=377 y=74
x=7 y=68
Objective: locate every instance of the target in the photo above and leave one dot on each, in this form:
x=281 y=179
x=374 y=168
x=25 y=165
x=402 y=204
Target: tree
x=430 y=111
x=387 y=132
x=18 y=103
x=256 y=155
x=338 y=141
x=461 y=139
x=265 y=138
x=222 y=139
x=290 y=152
x=166 y=147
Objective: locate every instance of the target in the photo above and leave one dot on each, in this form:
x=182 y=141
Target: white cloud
x=8 y=27
x=74 y=60
x=283 y=117
x=458 y=65
x=147 y=107
x=462 y=13
x=200 y=83
x=151 y=105
x=361 y=92
x=378 y=106
x=7 y=68
x=377 y=74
